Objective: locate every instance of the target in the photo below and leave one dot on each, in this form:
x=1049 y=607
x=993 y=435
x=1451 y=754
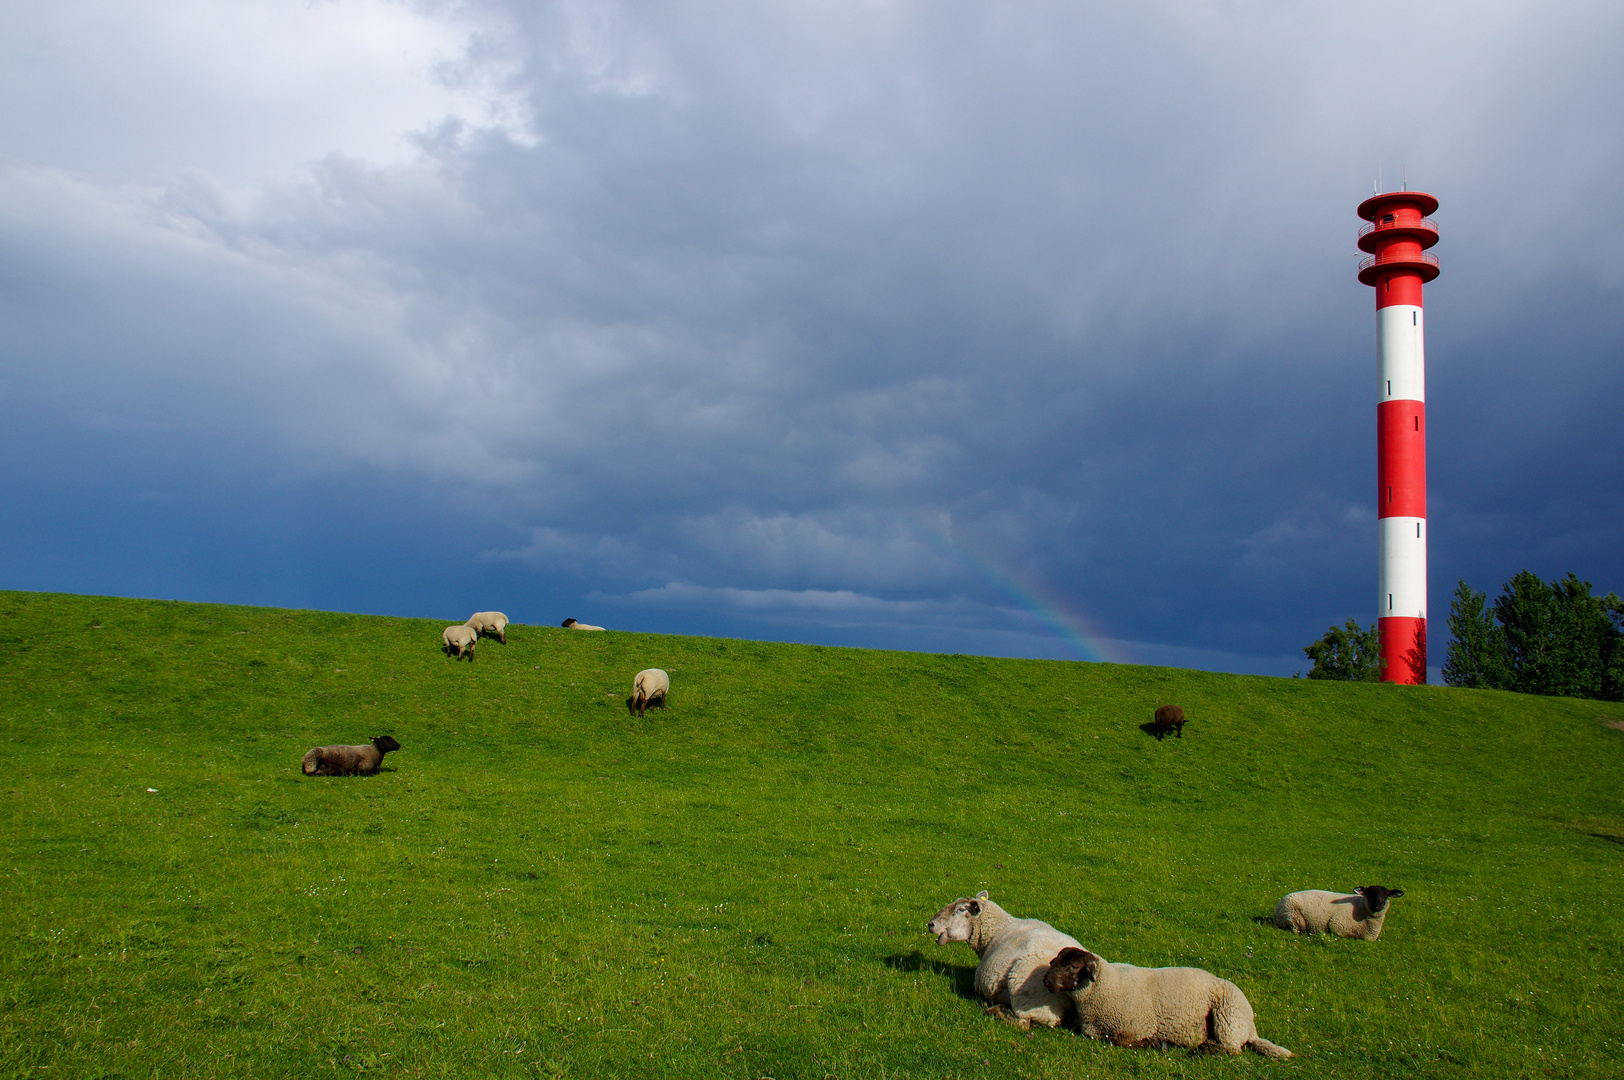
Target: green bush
x=1551 y=638
x=1347 y=653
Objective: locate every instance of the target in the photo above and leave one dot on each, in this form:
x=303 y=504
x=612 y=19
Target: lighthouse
x=1396 y=235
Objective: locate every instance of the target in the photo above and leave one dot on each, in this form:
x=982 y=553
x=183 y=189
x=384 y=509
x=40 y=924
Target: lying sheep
x=345 y=760
x=460 y=641
x=1169 y=718
x=1358 y=914
x=1135 y=1006
x=1014 y=957
x=489 y=622
x=649 y=689
x=571 y=624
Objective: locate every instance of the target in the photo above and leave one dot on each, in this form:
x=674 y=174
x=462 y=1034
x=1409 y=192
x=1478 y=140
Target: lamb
x=1135 y=1006
x=1169 y=718
x=1358 y=914
x=460 y=641
x=345 y=760
x=1014 y=958
x=649 y=689
x=571 y=624
x=489 y=622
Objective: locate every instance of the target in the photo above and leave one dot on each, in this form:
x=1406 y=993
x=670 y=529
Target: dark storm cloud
x=877 y=323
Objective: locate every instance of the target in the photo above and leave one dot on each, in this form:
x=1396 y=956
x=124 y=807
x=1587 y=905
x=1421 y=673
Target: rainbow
x=1031 y=596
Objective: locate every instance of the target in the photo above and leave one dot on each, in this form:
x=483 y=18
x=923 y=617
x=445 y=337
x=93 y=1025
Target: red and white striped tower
x=1397 y=236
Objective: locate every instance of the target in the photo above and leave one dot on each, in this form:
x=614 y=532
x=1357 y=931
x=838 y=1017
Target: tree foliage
x=1538 y=637
x=1347 y=652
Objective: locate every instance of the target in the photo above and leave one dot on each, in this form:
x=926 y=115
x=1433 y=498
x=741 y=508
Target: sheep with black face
x=575 y=624
x=1359 y=914
x=1170 y=1006
x=349 y=760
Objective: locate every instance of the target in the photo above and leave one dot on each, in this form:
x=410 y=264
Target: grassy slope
x=540 y=884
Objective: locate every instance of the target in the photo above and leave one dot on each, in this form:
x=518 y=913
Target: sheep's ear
x=1394 y=892
x=975 y=907
x=982 y=895
x=1091 y=965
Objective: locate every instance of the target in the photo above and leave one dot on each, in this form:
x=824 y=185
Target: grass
x=539 y=884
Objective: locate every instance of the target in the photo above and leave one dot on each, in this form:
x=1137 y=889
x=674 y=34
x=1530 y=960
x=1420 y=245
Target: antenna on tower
x=1406 y=178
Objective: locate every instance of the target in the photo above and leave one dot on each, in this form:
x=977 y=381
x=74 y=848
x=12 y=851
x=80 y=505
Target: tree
x=1541 y=638
x=1477 y=650
x=1347 y=652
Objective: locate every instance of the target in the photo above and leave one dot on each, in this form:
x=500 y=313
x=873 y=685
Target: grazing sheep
x=1135 y=1006
x=1014 y=958
x=649 y=689
x=460 y=641
x=571 y=624
x=344 y=760
x=489 y=622
x=1358 y=914
x=1169 y=718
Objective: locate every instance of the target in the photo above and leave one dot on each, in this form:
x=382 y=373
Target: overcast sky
x=1025 y=329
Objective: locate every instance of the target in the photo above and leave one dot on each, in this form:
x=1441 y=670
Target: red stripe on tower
x=1397 y=236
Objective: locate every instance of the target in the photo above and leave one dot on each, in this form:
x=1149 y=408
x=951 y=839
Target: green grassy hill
x=539 y=884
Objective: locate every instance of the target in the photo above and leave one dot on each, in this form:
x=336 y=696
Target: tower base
x=1403 y=649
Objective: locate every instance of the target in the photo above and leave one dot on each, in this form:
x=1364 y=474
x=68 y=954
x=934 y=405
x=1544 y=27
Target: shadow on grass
x=1149 y=728
x=964 y=978
x=1609 y=837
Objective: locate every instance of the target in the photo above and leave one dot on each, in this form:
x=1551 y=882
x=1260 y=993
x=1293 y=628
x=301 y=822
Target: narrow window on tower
x=1418 y=421
x=1415 y=318
x=1418 y=530
x=1389 y=493
x=1389 y=387
x=1389 y=601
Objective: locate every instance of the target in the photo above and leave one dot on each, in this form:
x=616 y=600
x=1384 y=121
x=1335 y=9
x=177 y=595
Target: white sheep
x=1014 y=957
x=1358 y=914
x=460 y=640
x=649 y=689
x=489 y=622
x=571 y=624
x=344 y=760
x=1135 y=1006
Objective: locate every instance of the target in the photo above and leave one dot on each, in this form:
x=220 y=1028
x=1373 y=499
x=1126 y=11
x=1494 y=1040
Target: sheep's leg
x=1022 y=1022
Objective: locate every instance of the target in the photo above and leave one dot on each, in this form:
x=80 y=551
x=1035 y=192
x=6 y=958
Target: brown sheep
x=348 y=760
x=1169 y=718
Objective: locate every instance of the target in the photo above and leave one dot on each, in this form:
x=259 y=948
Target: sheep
x=1014 y=958
x=1358 y=914
x=1169 y=718
x=460 y=641
x=649 y=689
x=1135 y=1006
x=489 y=622
x=571 y=624
x=344 y=760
